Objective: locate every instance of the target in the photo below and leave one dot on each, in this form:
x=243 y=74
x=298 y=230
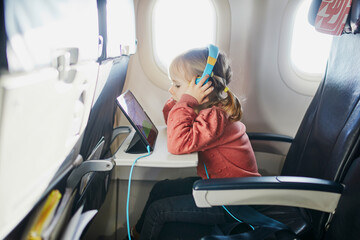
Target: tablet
x=146 y=131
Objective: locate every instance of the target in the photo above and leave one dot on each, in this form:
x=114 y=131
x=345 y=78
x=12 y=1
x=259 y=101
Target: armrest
x=269 y=137
x=119 y=130
x=313 y=193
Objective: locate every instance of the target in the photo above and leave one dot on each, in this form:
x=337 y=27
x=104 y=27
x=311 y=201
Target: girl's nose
x=171 y=91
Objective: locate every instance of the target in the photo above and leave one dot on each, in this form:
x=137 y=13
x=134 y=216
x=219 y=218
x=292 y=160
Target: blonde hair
x=192 y=63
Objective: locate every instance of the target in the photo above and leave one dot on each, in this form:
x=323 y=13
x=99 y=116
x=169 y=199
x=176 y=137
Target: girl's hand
x=200 y=91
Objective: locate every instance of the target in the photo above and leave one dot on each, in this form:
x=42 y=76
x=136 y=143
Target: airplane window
x=303 y=51
x=165 y=29
x=310 y=49
x=121 y=37
x=175 y=32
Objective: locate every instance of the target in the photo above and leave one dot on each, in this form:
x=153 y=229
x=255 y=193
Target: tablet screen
x=138 y=118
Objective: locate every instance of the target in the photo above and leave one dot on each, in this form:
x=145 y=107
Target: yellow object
x=45 y=215
x=226 y=89
x=211 y=60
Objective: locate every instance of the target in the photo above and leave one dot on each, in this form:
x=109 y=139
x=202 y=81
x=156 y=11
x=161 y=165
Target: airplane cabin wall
x=269 y=104
x=254 y=46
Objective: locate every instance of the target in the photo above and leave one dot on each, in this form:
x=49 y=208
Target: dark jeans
x=172 y=201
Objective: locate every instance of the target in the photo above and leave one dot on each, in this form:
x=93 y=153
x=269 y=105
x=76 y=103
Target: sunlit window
x=179 y=25
x=120 y=27
x=310 y=49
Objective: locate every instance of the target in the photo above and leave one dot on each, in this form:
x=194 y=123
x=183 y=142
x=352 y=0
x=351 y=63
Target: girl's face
x=178 y=87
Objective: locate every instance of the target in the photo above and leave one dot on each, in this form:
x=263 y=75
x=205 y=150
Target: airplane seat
x=317 y=164
x=100 y=126
x=113 y=66
x=101 y=119
x=346 y=222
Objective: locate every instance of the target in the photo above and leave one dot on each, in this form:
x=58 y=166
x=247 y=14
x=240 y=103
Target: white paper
x=83 y=222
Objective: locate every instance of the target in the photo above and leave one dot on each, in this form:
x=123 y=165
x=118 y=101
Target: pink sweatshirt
x=223 y=145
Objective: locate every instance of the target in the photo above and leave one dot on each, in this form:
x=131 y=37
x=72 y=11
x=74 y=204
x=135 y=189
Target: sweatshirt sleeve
x=190 y=132
x=167 y=107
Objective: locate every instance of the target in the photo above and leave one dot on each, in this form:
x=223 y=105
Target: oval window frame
x=296 y=79
x=146 y=46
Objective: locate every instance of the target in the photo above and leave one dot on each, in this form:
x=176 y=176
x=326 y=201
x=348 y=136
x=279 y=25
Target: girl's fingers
x=208 y=91
x=201 y=82
x=200 y=91
x=206 y=85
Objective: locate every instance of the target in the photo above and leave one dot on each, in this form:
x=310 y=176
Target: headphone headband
x=211 y=60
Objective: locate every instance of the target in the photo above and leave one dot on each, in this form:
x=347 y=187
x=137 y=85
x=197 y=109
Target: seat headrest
x=355 y=16
x=335 y=17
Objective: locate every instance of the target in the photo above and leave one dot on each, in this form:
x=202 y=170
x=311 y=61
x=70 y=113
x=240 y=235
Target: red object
x=223 y=145
x=332 y=16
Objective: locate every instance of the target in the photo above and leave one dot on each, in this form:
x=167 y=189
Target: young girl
x=203 y=118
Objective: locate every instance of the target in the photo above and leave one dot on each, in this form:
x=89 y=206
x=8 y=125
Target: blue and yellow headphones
x=211 y=60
